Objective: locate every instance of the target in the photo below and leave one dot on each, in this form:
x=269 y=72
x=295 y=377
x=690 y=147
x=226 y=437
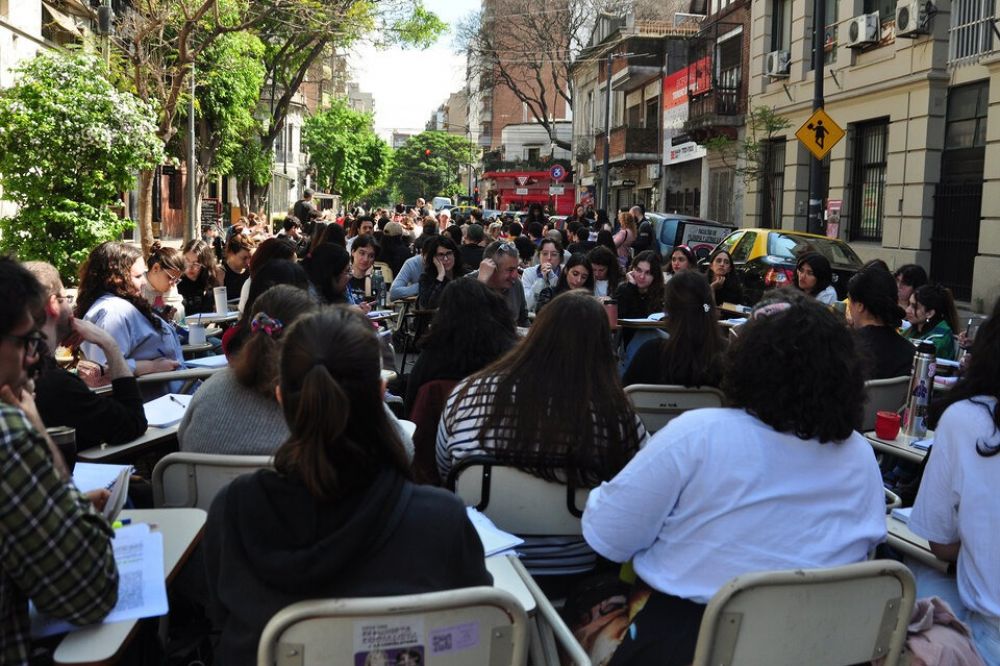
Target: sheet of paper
x=119 y=493
x=901 y=514
x=219 y=361
x=142 y=589
x=166 y=410
x=94 y=476
x=494 y=539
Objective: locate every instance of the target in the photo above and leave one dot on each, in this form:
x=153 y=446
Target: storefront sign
x=557 y=189
x=521 y=191
x=684 y=152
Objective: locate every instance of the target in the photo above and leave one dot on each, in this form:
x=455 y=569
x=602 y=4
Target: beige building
x=912 y=90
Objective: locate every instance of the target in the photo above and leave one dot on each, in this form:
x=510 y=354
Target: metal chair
x=182 y=479
x=883 y=395
x=822 y=617
x=658 y=404
x=474 y=625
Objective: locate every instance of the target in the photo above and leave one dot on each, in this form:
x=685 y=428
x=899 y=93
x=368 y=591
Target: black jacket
x=268 y=544
x=885 y=352
x=395 y=250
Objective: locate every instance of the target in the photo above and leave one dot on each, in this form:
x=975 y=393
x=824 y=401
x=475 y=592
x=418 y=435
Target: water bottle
x=919 y=394
x=378 y=286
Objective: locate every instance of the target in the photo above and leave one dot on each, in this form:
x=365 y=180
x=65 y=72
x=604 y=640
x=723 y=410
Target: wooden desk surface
x=901 y=446
x=152 y=438
x=105 y=643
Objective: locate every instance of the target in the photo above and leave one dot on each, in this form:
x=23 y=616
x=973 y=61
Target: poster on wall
x=833 y=208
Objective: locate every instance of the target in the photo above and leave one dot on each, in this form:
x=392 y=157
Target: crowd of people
x=518 y=360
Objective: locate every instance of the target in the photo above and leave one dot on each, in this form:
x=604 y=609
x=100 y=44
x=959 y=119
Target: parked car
x=670 y=229
x=766 y=258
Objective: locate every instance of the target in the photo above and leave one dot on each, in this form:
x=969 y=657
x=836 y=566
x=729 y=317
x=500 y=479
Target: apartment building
x=909 y=81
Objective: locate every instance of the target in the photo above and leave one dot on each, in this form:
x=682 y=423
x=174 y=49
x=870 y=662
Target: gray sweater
x=225 y=417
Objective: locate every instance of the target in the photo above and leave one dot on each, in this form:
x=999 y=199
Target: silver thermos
x=919 y=395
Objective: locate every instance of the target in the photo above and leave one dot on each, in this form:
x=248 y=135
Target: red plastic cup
x=886 y=425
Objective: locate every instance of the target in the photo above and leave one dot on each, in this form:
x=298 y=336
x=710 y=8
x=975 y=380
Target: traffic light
x=427 y=152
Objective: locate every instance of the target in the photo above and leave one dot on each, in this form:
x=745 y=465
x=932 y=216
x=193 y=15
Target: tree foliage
x=69 y=144
x=427 y=165
x=350 y=159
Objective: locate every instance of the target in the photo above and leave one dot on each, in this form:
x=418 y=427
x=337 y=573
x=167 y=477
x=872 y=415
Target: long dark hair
x=271 y=274
x=331 y=393
x=430 y=250
x=821 y=269
x=938 y=298
x=256 y=364
x=323 y=266
x=811 y=384
x=539 y=418
x=108 y=271
x=652 y=258
x=575 y=259
x=875 y=288
x=269 y=250
x=981 y=378
x=603 y=256
x=473 y=324
x=692 y=355
x=207 y=259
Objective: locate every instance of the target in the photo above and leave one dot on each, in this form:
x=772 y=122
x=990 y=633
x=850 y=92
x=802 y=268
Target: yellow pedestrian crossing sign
x=819 y=134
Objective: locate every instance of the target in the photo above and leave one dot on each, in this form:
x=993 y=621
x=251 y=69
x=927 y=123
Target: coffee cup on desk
x=221 y=301
x=886 y=425
x=196 y=333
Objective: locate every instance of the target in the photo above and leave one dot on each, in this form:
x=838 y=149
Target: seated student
x=642 y=293
x=337 y=516
x=909 y=278
x=359 y=287
x=329 y=271
x=576 y=274
x=956 y=508
x=498 y=271
x=681 y=259
x=725 y=283
x=526 y=251
x=545 y=274
x=269 y=250
x=473 y=245
x=933 y=317
x=270 y=274
x=234 y=411
x=444 y=266
x=202 y=274
x=165 y=268
x=781 y=480
x=395 y=247
x=691 y=355
x=523 y=409
x=875 y=316
x=580 y=234
x=61 y=396
x=109 y=296
x=56 y=548
x=607 y=272
x=235 y=263
x=814 y=277
x=406 y=283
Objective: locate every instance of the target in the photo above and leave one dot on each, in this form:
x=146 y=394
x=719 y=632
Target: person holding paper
x=55 y=550
x=338 y=515
x=63 y=398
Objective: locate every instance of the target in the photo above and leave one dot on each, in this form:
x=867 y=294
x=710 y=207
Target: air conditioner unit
x=776 y=64
x=911 y=18
x=863 y=30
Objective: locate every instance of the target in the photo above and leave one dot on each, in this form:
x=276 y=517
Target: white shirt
x=718 y=493
x=958 y=500
x=827 y=296
x=601 y=288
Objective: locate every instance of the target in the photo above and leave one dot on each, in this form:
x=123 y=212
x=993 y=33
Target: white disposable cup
x=221 y=304
x=196 y=334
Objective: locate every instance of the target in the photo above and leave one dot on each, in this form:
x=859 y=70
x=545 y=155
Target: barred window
x=868 y=184
x=970 y=34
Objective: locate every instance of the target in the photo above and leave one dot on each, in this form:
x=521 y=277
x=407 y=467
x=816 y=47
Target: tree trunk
x=145 y=224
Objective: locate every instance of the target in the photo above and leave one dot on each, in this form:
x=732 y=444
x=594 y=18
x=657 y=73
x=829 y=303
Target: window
x=971 y=32
x=742 y=250
x=829 y=35
x=632 y=115
x=729 y=73
x=721 y=183
x=772 y=184
x=532 y=154
x=781 y=25
x=886 y=9
x=653 y=112
x=966 y=126
x=868 y=184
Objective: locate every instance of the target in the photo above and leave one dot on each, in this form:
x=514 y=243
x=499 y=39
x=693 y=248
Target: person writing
x=62 y=398
x=337 y=516
x=56 y=548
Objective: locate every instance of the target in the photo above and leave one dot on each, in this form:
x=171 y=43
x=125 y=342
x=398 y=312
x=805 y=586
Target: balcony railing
x=718 y=102
x=638 y=144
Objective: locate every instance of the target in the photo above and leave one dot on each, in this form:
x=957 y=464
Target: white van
x=437 y=203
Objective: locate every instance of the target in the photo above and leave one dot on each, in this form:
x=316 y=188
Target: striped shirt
x=54 y=548
x=458 y=437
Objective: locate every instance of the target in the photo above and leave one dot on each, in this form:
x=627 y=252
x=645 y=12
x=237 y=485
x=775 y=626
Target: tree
x=427 y=165
x=350 y=159
x=69 y=144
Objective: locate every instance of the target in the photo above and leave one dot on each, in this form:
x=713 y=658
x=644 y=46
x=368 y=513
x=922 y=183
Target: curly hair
x=603 y=256
x=108 y=271
x=795 y=366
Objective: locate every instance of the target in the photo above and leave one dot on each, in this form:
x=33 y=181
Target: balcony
x=718 y=111
x=493 y=160
x=638 y=145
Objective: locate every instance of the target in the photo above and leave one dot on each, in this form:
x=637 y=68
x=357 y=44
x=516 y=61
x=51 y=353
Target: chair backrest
x=474 y=625
x=822 y=617
x=516 y=501
x=883 y=395
x=426 y=412
x=182 y=479
x=386 y=271
x=658 y=404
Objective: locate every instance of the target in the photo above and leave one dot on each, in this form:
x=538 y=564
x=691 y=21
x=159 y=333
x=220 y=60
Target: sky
x=408 y=85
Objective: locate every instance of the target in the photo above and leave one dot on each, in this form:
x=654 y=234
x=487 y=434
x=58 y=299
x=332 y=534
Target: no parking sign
x=557 y=172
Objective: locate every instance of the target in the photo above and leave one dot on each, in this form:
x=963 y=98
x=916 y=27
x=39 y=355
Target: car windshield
x=791 y=247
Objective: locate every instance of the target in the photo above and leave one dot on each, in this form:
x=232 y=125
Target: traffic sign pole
x=815 y=222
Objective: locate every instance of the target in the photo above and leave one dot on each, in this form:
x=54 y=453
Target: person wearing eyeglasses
x=62 y=397
x=445 y=266
x=165 y=268
x=56 y=547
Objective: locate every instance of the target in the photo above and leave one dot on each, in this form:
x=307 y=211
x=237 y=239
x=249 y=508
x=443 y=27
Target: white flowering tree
x=70 y=143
